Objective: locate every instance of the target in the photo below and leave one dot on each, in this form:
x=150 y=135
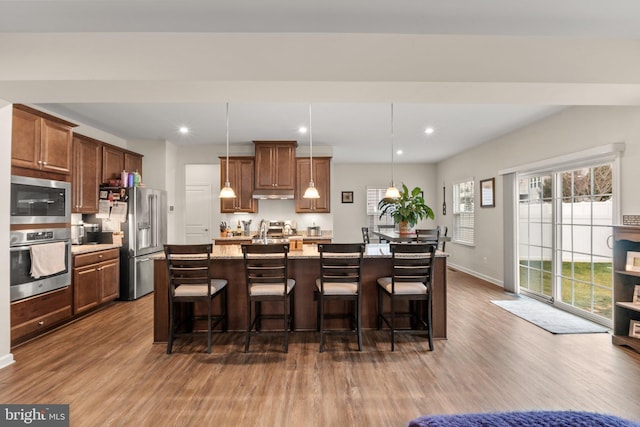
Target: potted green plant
x=407 y=209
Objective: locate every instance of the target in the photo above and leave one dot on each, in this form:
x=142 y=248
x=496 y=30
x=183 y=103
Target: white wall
x=350 y=217
x=6 y=357
x=573 y=129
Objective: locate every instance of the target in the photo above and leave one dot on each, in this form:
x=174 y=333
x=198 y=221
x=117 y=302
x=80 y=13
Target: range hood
x=273 y=194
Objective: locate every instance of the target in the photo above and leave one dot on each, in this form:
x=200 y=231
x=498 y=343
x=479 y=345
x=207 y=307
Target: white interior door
x=198 y=213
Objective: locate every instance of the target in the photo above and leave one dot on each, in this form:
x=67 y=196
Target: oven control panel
x=39 y=235
x=35 y=236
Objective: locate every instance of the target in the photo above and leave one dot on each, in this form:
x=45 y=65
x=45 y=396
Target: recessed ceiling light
x=399 y=152
x=183 y=130
x=302 y=129
x=429 y=130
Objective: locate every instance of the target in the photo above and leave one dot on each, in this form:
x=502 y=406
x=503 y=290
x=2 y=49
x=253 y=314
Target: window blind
x=463 y=213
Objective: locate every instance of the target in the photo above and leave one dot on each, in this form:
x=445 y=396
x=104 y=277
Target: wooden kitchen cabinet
x=275 y=165
x=241 y=178
x=115 y=160
x=87 y=172
x=40 y=141
x=322 y=181
x=112 y=163
x=33 y=316
x=132 y=162
x=96 y=279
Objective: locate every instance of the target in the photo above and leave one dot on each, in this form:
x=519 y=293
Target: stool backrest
x=266 y=264
x=341 y=262
x=188 y=265
x=413 y=262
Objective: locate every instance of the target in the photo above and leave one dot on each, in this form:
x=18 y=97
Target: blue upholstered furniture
x=532 y=418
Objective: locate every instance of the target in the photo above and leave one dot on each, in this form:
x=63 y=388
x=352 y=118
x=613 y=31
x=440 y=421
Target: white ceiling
x=351 y=113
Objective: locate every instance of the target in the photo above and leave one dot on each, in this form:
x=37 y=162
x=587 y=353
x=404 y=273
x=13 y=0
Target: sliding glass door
x=535 y=229
x=565 y=220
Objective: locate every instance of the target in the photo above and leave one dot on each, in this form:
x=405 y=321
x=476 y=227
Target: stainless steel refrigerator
x=145 y=233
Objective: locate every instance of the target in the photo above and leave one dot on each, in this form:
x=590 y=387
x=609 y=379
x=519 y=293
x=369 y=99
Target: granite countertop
x=326 y=234
x=372 y=250
x=85 y=249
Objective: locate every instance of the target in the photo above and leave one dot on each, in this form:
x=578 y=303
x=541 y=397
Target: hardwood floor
x=106 y=367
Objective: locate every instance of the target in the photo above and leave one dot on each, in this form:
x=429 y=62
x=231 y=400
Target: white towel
x=47 y=259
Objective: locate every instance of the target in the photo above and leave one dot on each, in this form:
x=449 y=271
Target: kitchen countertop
x=372 y=250
x=85 y=249
x=326 y=234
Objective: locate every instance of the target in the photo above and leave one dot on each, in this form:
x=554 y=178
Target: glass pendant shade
x=227 y=192
x=392 y=193
x=311 y=192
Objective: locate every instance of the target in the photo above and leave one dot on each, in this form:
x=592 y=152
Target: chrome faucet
x=263 y=230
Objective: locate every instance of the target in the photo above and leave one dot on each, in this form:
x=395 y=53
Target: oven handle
x=22 y=246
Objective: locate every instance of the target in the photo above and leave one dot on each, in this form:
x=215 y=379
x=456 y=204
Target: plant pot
x=403 y=228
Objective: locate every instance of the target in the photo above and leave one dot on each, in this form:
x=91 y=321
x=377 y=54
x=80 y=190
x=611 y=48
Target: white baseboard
x=486 y=278
x=6 y=360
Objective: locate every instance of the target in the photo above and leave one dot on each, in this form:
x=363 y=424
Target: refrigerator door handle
x=154 y=218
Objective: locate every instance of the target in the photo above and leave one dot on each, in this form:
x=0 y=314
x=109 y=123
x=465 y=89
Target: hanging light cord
x=227 y=143
x=392 y=138
x=310 y=145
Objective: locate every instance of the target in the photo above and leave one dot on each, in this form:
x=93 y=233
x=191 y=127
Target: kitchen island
x=304 y=267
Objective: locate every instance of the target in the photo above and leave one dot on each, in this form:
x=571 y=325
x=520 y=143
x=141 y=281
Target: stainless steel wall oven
x=23 y=282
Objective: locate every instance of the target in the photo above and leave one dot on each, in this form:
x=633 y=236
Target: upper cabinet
x=241 y=178
x=94 y=163
x=275 y=165
x=132 y=162
x=115 y=160
x=321 y=179
x=40 y=141
x=87 y=168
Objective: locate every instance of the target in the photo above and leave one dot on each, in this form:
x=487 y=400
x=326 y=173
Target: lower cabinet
x=33 y=316
x=96 y=279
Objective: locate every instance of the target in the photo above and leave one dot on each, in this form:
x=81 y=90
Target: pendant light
x=227 y=192
x=311 y=192
x=392 y=191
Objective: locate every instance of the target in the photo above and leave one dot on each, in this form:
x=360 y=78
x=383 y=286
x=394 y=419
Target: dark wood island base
x=304 y=267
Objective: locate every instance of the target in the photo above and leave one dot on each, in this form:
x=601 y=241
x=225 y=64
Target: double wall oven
x=40 y=215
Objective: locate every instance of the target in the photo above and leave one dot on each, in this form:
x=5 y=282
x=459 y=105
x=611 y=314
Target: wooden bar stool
x=410 y=281
x=267 y=279
x=190 y=281
x=340 y=279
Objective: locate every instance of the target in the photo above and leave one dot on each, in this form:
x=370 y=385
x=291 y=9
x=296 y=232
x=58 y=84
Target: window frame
x=468 y=239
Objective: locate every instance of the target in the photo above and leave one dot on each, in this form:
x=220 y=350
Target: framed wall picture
x=636 y=295
x=634 y=328
x=487 y=193
x=347 y=197
x=633 y=261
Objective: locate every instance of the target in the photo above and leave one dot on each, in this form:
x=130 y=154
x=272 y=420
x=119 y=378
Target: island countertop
x=372 y=250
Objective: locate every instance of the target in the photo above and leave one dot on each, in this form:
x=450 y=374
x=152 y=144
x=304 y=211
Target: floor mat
x=549 y=318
